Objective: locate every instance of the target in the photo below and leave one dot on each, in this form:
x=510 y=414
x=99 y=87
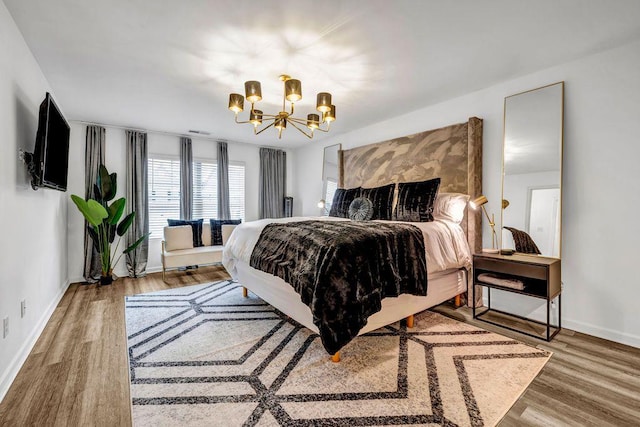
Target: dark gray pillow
x=216 y=229
x=382 y=200
x=415 y=200
x=361 y=209
x=196 y=229
x=342 y=200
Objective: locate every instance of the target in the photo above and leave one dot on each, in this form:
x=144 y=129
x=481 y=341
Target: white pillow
x=450 y=206
x=178 y=237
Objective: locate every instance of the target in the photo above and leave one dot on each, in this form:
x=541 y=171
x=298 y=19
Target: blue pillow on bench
x=216 y=229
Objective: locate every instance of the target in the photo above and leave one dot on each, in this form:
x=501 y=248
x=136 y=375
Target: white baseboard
x=605 y=333
x=583 y=327
x=9 y=375
x=124 y=274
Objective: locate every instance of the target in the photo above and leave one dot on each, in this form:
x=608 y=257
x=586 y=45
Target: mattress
x=447 y=254
x=443 y=286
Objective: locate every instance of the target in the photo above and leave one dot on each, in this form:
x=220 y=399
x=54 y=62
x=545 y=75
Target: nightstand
x=539 y=275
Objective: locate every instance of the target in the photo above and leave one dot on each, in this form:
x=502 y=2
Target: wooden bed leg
x=410 y=321
x=245 y=294
x=336 y=357
x=457 y=301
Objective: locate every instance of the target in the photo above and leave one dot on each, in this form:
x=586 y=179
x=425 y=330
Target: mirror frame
x=504 y=135
x=324 y=157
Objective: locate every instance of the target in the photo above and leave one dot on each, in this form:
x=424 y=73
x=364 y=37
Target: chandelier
x=292 y=93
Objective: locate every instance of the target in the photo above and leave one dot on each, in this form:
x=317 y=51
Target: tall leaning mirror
x=330 y=175
x=532 y=171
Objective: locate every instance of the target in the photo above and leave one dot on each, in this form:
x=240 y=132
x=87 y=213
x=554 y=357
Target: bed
x=454 y=155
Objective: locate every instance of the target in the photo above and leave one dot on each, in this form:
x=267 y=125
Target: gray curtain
x=224 y=211
x=93 y=158
x=137 y=200
x=273 y=178
x=186 y=178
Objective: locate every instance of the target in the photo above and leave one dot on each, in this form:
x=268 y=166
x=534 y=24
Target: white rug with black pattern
x=205 y=356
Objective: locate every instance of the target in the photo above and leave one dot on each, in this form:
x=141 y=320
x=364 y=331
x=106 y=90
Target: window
x=331 y=188
x=205 y=190
x=236 y=190
x=164 y=191
x=163 y=177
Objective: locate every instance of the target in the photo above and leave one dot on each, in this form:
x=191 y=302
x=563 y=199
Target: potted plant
x=104 y=222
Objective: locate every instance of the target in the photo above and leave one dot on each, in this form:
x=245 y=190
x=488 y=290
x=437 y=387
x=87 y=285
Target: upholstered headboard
x=453 y=153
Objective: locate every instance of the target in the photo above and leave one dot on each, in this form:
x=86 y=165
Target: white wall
x=158 y=143
x=600 y=195
x=34 y=243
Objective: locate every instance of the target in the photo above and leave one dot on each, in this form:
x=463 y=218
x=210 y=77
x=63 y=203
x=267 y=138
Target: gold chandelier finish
x=292 y=93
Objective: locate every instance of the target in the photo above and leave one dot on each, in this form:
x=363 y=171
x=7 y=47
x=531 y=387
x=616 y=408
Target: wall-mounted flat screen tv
x=50 y=160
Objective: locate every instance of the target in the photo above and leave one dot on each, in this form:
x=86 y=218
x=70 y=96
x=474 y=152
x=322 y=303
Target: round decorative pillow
x=361 y=209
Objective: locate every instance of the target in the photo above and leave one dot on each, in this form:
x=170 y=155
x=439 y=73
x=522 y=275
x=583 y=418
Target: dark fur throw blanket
x=343 y=269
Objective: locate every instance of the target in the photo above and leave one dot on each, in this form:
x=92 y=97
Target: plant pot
x=106 y=280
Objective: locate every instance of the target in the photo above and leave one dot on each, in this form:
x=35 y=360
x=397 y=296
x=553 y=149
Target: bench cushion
x=178 y=237
x=193 y=256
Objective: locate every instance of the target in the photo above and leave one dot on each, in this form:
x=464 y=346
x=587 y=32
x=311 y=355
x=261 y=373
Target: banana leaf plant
x=104 y=221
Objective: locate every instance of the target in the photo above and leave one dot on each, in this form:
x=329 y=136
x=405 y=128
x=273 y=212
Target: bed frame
x=453 y=153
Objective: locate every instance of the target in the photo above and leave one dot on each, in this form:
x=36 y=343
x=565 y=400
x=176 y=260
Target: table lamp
x=322 y=204
x=475 y=204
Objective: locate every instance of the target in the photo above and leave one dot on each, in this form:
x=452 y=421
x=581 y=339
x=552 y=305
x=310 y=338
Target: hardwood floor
x=76 y=374
x=588 y=381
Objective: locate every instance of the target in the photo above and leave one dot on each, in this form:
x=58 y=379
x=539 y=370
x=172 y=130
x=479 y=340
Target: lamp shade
x=280 y=123
x=236 y=102
x=253 y=91
x=321 y=203
x=313 y=121
x=330 y=115
x=255 y=117
x=323 y=103
x=293 y=90
x=479 y=201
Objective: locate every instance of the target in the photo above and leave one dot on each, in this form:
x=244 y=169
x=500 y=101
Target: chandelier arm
x=264 y=115
x=310 y=136
x=242 y=121
x=297 y=120
x=265 y=128
x=324 y=130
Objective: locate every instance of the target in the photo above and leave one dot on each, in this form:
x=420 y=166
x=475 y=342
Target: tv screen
x=51 y=154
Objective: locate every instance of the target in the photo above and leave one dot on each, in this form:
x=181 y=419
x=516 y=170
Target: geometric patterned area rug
x=204 y=356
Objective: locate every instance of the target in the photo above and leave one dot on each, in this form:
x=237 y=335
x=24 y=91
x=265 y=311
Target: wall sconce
x=480 y=202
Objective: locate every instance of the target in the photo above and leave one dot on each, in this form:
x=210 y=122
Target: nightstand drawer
x=532 y=271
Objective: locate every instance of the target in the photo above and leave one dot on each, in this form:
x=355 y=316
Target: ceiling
x=169 y=66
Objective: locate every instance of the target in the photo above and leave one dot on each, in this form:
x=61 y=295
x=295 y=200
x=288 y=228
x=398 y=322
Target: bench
x=178 y=250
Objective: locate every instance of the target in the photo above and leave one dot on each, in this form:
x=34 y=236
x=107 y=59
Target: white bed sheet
x=445 y=243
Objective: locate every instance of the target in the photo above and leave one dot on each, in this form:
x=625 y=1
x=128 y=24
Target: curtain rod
x=82 y=122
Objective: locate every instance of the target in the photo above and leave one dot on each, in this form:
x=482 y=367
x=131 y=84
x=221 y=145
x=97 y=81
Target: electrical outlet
x=23 y=308
x=5 y=327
